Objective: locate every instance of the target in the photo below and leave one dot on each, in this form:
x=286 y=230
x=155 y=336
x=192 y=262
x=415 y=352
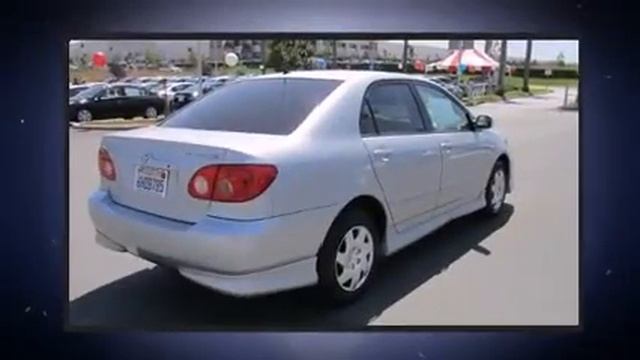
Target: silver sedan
x=291 y=180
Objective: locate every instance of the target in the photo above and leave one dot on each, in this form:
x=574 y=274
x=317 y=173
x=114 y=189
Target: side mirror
x=483 y=122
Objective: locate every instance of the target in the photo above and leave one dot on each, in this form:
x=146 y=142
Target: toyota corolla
x=291 y=180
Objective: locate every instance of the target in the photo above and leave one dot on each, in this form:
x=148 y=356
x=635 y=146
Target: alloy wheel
x=354 y=258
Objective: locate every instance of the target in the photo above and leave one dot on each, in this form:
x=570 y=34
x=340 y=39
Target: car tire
x=84 y=115
x=496 y=189
x=342 y=256
x=151 y=112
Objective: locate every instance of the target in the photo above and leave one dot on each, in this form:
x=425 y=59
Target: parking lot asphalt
x=518 y=269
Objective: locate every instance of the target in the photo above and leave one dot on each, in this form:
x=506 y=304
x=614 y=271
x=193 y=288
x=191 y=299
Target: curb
x=119 y=125
x=109 y=126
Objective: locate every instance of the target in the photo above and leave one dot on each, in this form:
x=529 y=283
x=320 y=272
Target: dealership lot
x=519 y=269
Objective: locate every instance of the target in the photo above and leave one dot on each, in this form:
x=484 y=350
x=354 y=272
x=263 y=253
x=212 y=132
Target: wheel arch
x=372 y=206
x=506 y=160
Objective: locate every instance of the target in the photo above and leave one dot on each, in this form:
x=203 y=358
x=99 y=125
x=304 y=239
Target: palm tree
x=265 y=57
x=334 y=54
x=527 y=65
x=502 y=68
x=404 y=55
x=487 y=46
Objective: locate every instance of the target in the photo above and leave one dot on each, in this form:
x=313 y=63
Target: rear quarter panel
x=326 y=162
x=314 y=175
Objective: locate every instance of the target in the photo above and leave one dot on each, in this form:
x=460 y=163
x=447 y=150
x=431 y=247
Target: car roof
x=343 y=75
x=124 y=84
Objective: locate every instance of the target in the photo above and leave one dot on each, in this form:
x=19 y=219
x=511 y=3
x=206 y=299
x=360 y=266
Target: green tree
x=84 y=61
x=560 y=59
x=116 y=58
x=152 y=58
x=285 y=55
x=193 y=59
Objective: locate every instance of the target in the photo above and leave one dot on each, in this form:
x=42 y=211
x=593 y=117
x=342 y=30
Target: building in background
x=185 y=52
x=457 y=44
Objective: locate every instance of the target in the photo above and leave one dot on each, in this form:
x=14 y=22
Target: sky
x=541 y=49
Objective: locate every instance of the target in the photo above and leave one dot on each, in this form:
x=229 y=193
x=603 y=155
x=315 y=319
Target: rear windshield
x=264 y=106
x=89 y=92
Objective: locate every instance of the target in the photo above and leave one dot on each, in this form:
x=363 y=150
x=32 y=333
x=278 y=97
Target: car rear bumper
x=242 y=258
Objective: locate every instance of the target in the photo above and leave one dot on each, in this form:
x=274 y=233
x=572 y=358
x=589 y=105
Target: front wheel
x=348 y=257
x=496 y=189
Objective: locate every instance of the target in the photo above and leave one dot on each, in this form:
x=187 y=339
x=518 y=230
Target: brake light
x=105 y=164
x=231 y=183
x=202 y=182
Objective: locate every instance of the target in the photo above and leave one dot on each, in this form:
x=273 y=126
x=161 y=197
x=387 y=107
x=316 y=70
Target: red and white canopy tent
x=471 y=60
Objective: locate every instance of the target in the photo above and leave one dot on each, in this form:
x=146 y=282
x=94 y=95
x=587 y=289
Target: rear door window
x=131 y=91
x=266 y=106
x=445 y=115
x=395 y=110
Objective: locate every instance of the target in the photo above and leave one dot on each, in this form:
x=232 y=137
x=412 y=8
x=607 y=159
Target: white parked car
x=172 y=89
x=290 y=180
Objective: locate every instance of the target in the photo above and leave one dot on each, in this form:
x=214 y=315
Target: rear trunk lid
x=176 y=154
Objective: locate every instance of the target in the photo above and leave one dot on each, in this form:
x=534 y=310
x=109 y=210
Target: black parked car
x=114 y=101
x=182 y=98
x=76 y=89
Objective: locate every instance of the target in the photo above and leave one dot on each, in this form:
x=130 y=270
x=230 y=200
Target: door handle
x=427 y=152
x=445 y=146
x=382 y=154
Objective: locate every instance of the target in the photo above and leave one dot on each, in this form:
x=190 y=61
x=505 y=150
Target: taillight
x=202 y=182
x=105 y=164
x=231 y=183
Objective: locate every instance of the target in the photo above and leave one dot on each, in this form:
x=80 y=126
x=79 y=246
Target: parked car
x=171 y=89
x=114 y=101
x=171 y=68
x=221 y=79
x=451 y=84
x=129 y=80
x=76 y=89
x=290 y=180
x=150 y=85
x=184 y=97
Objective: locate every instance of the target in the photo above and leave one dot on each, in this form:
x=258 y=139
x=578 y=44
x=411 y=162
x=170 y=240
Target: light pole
x=459 y=72
x=527 y=66
x=199 y=68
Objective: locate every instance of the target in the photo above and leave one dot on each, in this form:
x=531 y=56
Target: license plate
x=152 y=180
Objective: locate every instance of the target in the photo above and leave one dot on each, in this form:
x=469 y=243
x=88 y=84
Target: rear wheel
x=84 y=115
x=348 y=257
x=151 y=112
